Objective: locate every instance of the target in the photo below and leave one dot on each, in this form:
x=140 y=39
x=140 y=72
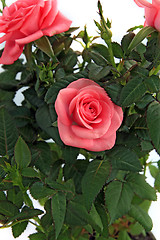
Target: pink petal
x=61 y=24
x=5 y=37
x=11 y=52
x=97 y=145
x=150 y=16
x=98 y=129
x=31 y=23
x=29 y=38
x=143 y=3
x=69 y=138
x=102 y=144
x=61 y=105
x=156 y=3
x=116 y=121
x=81 y=83
x=157 y=22
x=48 y=14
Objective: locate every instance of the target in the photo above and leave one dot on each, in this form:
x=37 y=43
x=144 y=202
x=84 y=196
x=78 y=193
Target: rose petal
x=156 y=3
x=31 y=23
x=116 y=121
x=5 y=37
x=49 y=13
x=150 y=14
x=14 y=51
x=143 y=3
x=156 y=22
x=98 y=129
x=69 y=138
x=29 y=38
x=81 y=83
x=61 y=24
x=102 y=144
x=61 y=105
x=97 y=145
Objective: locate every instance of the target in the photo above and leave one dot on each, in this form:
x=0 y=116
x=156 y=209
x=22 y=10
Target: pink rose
x=26 y=21
x=87 y=118
x=152 y=12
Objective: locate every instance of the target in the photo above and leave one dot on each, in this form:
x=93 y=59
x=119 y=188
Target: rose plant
x=79 y=141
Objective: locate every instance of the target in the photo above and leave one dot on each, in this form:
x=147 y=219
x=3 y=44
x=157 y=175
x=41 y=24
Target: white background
x=124 y=14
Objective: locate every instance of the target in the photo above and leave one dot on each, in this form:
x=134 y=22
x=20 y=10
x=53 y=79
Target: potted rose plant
x=80 y=139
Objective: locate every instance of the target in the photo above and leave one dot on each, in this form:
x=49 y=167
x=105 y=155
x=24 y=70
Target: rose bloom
x=152 y=12
x=28 y=20
x=87 y=118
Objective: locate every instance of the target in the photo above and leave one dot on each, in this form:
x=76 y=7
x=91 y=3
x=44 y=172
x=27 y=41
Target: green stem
x=109 y=43
x=28 y=55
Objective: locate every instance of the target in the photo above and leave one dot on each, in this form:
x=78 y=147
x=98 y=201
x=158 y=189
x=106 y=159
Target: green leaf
x=76 y=172
x=42 y=157
x=146 y=146
x=132 y=91
x=31 y=96
x=7 y=208
x=117 y=50
x=141 y=187
x=27 y=213
x=8 y=133
x=141 y=216
x=22 y=154
x=152 y=54
x=19 y=228
x=157 y=182
x=97 y=58
x=21 y=115
x=67 y=187
x=153 y=84
x=70 y=154
x=76 y=214
x=98 y=72
x=38 y=191
x=45 y=122
x=58 y=204
x=144 y=101
x=69 y=60
x=118 y=197
x=37 y=236
x=97 y=219
x=2 y=196
x=104 y=218
x=154 y=171
x=7 y=81
x=95 y=177
x=123 y=235
x=29 y=172
x=15 y=197
x=6 y=98
x=126 y=40
x=140 y=36
x=125 y=159
x=45 y=46
x=101 y=49
x=114 y=91
x=153 y=123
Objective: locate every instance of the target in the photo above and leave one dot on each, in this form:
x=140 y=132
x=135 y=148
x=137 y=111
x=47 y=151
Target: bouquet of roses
x=79 y=141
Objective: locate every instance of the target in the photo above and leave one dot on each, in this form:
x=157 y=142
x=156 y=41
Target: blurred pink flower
x=28 y=20
x=152 y=12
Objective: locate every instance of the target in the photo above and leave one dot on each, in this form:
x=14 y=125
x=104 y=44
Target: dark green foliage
x=84 y=194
